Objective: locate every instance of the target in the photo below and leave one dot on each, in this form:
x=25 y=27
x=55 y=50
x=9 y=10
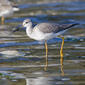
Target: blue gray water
x=22 y=59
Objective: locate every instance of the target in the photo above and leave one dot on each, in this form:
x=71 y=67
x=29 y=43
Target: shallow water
x=22 y=59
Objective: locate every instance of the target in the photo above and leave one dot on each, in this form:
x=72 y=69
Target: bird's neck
x=29 y=30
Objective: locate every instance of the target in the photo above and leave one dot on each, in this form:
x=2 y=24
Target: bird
x=7 y=8
x=45 y=31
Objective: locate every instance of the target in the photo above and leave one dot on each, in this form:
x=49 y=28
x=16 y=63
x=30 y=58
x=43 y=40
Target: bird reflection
x=62 y=71
x=40 y=81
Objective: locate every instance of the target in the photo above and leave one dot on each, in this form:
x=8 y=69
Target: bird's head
x=27 y=23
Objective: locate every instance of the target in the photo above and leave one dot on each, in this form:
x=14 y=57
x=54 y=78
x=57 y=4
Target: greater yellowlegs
x=46 y=31
x=7 y=8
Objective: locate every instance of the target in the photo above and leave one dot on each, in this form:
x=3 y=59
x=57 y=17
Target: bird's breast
x=37 y=35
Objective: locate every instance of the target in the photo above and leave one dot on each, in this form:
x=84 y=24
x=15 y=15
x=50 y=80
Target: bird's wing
x=52 y=28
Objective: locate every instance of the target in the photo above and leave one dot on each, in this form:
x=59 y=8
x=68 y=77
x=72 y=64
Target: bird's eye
x=26 y=22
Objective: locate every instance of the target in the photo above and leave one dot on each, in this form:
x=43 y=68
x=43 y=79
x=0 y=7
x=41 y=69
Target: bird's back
x=52 y=27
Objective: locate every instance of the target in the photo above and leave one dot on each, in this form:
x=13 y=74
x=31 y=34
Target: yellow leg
x=61 y=50
x=2 y=20
x=46 y=47
x=61 y=54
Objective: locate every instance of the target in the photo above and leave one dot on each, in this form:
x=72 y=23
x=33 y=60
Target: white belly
x=38 y=35
x=6 y=13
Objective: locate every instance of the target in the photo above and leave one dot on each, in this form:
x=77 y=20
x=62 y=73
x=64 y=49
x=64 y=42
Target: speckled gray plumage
x=52 y=27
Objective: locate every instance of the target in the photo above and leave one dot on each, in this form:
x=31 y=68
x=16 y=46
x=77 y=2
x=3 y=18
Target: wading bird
x=7 y=8
x=46 y=31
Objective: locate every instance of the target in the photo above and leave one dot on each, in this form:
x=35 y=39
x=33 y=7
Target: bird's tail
x=71 y=25
x=67 y=26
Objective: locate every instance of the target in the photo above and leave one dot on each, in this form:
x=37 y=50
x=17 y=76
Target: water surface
x=22 y=59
